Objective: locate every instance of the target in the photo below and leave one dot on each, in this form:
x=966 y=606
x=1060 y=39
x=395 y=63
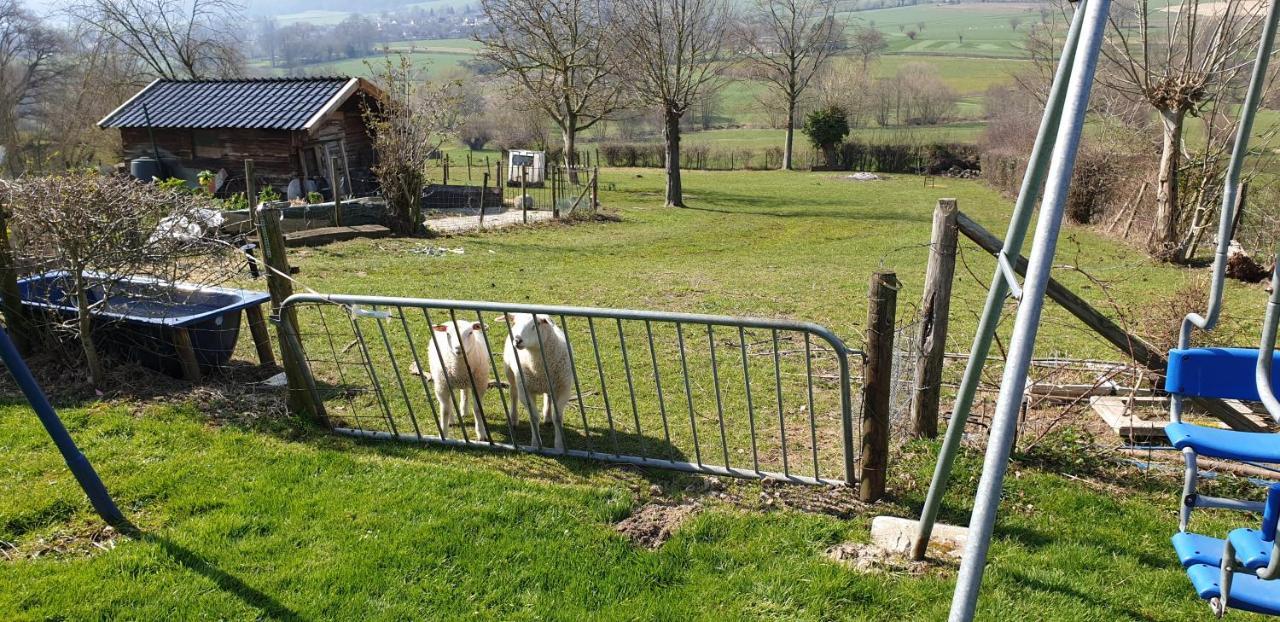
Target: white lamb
x=544 y=368
x=460 y=380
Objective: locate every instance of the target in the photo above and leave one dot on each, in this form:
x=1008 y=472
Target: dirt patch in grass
x=654 y=523
x=73 y=541
x=870 y=558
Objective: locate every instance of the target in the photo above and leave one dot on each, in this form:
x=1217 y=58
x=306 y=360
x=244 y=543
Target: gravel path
x=463 y=224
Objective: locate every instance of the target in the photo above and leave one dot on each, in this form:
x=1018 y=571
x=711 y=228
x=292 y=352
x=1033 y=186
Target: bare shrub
x=104 y=230
x=408 y=124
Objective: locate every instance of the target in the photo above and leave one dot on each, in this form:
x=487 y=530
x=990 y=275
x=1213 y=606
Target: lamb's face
x=454 y=335
x=524 y=330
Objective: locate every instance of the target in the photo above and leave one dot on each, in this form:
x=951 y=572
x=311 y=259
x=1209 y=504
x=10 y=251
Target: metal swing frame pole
x=1022 y=343
x=88 y=478
x=1032 y=183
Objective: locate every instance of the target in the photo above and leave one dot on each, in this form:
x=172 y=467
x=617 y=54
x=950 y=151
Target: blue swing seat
x=1248 y=593
x=1223 y=373
x=1228 y=444
x=1194 y=549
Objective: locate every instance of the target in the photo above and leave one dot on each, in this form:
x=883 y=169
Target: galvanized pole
x=1032 y=182
x=1022 y=343
x=80 y=467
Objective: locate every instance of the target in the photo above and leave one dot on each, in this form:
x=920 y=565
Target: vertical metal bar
x=524 y=388
x=813 y=422
x=1231 y=185
x=1032 y=182
x=373 y=374
x=471 y=379
x=395 y=368
x=577 y=386
x=631 y=387
x=782 y=424
x=688 y=394
x=342 y=377
x=1262 y=373
x=76 y=461
x=493 y=363
x=422 y=374
x=846 y=417
x=657 y=382
x=448 y=382
x=751 y=409
x=715 y=381
x=604 y=388
x=1022 y=343
x=550 y=396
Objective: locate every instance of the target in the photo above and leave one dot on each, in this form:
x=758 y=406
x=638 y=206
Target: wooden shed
x=289 y=127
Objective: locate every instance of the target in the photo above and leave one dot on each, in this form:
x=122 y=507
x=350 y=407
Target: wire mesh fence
x=723 y=395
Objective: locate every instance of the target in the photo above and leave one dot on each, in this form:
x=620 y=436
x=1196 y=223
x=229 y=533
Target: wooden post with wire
x=524 y=194
x=251 y=193
x=337 y=192
x=303 y=396
x=873 y=463
x=484 y=196
x=935 y=307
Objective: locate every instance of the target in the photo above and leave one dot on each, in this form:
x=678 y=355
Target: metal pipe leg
x=1032 y=183
x=1224 y=582
x=1022 y=343
x=1190 y=481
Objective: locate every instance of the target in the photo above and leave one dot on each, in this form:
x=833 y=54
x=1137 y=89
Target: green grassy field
x=976 y=29
x=245 y=514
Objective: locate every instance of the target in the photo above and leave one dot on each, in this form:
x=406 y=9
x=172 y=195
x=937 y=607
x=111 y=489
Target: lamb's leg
x=534 y=422
x=555 y=417
x=562 y=402
x=482 y=427
x=513 y=414
x=444 y=395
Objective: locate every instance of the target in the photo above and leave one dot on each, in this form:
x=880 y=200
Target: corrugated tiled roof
x=260 y=103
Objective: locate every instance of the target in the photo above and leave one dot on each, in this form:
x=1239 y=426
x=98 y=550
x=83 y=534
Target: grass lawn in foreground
x=272 y=519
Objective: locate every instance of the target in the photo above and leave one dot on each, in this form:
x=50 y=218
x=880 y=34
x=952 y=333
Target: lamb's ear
x=504 y=318
x=477 y=326
x=543 y=319
x=440 y=328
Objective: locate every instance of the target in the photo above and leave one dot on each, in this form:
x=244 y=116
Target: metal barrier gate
x=753 y=398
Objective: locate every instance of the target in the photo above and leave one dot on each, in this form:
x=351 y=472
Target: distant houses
x=290 y=127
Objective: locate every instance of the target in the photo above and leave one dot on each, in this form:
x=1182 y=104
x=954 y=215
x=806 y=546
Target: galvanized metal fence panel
x=746 y=397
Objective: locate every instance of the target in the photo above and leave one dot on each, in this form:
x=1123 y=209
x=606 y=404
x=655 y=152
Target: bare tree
x=561 y=54
x=105 y=231
x=177 y=39
x=672 y=48
x=28 y=67
x=407 y=124
x=789 y=42
x=868 y=43
x=1178 y=60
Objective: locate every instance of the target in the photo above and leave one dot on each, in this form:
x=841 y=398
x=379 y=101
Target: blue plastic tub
x=139 y=320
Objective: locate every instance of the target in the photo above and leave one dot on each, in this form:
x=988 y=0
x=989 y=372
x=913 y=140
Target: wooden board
x=325 y=235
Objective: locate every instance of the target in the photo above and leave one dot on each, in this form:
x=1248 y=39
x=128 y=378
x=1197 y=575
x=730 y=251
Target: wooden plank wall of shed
x=273 y=152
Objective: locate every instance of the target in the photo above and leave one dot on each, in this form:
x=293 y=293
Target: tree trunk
x=84 y=326
x=571 y=148
x=1165 y=246
x=671 y=133
x=791 y=135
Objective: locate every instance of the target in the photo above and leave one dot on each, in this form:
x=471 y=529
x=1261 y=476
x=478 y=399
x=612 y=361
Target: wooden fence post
x=873 y=462
x=337 y=192
x=15 y=317
x=524 y=194
x=555 y=192
x=935 y=307
x=251 y=192
x=303 y=396
x=595 y=190
x=484 y=195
